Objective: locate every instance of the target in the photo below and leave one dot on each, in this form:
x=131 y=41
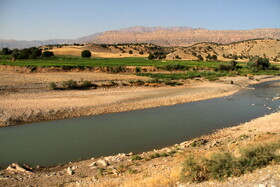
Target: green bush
x=138 y=69
x=258 y=63
x=136 y=157
x=228 y=67
x=86 y=83
x=223 y=164
x=71 y=84
x=86 y=54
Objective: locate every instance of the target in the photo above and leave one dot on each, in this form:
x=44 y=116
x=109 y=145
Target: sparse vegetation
x=70 y=84
x=52 y=85
x=136 y=157
x=224 y=164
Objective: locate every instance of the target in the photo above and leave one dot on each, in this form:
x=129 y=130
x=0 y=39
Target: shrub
x=224 y=164
x=156 y=155
x=258 y=63
x=227 y=67
x=52 y=85
x=47 y=54
x=70 y=84
x=193 y=170
x=141 y=52
x=214 y=57
x=86 y=54
x=138 y=69
x=136 y=157
x=86 y=84
x=130 y=52
x=200 y=57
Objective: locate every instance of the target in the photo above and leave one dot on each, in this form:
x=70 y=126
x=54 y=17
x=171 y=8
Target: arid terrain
x=240 y=51
x=27 y=97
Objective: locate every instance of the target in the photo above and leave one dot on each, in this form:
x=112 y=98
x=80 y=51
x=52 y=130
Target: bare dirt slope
x=242 y=50
x=104 y=51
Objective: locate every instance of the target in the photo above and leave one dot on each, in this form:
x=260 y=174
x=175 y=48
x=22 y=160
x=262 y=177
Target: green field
x=59 y=61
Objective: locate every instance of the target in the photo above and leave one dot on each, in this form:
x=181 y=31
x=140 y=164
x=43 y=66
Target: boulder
x=14 y=167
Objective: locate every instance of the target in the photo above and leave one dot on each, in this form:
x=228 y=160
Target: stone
x=70 y=171
x=130 y=154
x=92 y=164
x=102 y=162
x=17 y=168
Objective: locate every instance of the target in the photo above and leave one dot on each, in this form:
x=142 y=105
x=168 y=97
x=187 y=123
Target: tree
x=86 y=54
x=130 y=52
x=36 y=53
x=151 y=57
x=47 y=54
x=15 y=54
x=258 y=63
x=200 y=57
x=214 y=57
x=6 y=51
x=25 y=53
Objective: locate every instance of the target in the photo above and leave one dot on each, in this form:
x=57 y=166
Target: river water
x=61 y=141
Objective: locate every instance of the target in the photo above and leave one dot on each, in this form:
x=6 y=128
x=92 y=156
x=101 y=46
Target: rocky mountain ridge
x=164 y=36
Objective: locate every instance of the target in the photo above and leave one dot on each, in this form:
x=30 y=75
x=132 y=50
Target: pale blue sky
x=50 y=19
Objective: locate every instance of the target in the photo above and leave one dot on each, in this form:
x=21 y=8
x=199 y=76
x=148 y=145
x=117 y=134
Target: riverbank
x=158 y=167
x=32 y=104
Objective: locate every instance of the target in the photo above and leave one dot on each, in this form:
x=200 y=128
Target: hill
x=185 y=37
x=241 y=51
x=164 y=36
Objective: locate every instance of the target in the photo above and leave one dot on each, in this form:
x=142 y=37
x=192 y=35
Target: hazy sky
x=50 y=19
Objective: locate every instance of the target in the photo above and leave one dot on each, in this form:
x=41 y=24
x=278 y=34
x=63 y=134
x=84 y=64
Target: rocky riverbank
x=26 y=105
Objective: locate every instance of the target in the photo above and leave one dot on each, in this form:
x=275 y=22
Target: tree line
x=26 y=53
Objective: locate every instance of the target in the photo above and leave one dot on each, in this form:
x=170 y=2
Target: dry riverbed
x=27 y=98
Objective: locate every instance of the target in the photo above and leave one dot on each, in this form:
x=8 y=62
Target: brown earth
x=244 y=50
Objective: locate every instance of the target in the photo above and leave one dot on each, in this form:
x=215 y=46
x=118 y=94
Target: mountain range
x=164 y=36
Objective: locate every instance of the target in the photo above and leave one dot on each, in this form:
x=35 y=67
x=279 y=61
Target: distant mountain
x=185 y=37
x=153 y=29
x=165 y=36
